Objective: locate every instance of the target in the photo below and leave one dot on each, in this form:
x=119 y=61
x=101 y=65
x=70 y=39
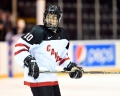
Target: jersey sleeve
x=26 y=42
x=65 y=60
x=35 y=35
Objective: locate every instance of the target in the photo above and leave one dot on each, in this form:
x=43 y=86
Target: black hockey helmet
x=52 y=9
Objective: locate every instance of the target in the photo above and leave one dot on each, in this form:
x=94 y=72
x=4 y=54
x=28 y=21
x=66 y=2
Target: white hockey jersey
x=49 y=49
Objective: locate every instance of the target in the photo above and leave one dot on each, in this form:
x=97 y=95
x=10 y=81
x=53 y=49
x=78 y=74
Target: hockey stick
x=85 y=72
x=100 y=72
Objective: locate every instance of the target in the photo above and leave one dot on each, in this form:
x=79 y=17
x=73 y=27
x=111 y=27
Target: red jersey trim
x=38 y=84
x=63 y=60
x=19 y=51
x=20 y=44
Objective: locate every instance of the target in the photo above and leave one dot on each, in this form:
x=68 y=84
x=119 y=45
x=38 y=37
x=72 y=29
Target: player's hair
x=53 y=9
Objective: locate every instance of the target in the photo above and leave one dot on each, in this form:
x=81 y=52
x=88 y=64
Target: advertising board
x=94 y=55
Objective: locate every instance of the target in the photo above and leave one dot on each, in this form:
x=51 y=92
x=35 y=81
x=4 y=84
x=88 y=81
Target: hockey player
x=43 y=48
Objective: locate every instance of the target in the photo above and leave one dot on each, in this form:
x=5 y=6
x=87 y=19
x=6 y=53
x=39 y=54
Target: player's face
x=52 y=20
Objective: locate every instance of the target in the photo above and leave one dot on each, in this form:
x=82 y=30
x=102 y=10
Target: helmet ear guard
x=52 y=9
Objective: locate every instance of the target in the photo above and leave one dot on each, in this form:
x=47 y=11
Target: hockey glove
x=30 y=62
x=76 y=70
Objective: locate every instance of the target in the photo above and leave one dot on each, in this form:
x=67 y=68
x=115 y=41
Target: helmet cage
x=52 y=10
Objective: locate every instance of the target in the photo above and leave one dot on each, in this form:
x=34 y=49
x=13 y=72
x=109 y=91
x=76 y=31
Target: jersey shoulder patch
x=35 y=35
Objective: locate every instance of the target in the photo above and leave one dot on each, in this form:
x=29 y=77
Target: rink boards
x=91 y=55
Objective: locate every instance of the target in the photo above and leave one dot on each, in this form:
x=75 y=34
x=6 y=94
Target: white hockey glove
x=76 y=70
x=30 y=62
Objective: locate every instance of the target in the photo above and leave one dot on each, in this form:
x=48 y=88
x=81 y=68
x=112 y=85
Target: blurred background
x=83 y=19
x=94 y=29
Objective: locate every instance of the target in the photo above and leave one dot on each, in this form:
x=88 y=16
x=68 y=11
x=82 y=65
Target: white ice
x=88 y=85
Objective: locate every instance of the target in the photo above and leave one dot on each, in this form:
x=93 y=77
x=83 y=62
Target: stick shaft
x=54 y=71
x=85 y=72
x=100 y=72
